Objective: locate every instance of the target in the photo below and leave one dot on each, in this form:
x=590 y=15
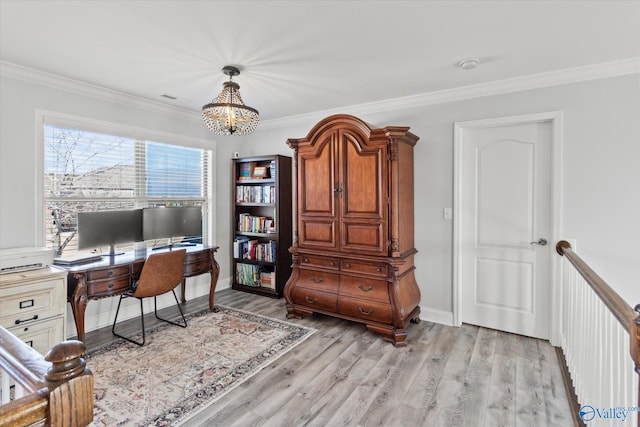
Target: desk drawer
x=28 y=303
x=108 y=287
x=108 y=272
x=196 y=268
x=197 y=257
x=42 y=335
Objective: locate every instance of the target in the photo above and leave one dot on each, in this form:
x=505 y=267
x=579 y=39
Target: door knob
x=540 y=242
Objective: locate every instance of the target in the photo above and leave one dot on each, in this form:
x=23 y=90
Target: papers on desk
x=77 y=259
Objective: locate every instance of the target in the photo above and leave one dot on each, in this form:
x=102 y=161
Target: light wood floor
x=344 y=375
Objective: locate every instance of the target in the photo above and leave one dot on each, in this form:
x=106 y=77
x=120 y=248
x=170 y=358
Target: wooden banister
x=58 y=387
x=627 y=316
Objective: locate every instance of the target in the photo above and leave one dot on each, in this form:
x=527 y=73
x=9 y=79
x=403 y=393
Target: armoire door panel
x=314 y=233
x=363 y=190
x=357 y=237
x=317 y=177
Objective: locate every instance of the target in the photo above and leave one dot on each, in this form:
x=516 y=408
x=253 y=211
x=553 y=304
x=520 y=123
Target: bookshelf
x=262 y=214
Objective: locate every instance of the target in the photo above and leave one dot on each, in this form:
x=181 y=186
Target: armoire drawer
x=30 y=302
x=316 y=299
x=320 y=280
x=366 y=268
x=361 y=287
x=317 y=261
x=365 y=309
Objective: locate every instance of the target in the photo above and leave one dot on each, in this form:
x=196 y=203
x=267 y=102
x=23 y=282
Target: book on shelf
x=255 y=194
x=248 y=274
x=254 y=250
x=255 y=224
x=268 y=279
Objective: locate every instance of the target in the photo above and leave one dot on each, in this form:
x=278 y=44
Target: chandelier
x=227 y=114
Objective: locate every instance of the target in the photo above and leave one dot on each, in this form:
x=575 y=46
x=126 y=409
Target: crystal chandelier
x=227 y=114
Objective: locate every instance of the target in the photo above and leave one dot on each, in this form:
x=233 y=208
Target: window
x=85 y=170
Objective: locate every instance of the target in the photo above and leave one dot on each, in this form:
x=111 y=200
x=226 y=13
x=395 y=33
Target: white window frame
x=44 y=117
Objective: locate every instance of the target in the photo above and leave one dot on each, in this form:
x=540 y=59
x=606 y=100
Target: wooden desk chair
x=161 y=273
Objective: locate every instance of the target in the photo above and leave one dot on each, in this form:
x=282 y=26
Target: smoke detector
x=469 y=63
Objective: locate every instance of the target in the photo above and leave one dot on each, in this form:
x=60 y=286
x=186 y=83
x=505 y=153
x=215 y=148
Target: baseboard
x=436 y=316
x=568 y=387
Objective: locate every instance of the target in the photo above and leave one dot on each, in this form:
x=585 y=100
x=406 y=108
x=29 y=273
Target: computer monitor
x=164 y=222
x=102 y=228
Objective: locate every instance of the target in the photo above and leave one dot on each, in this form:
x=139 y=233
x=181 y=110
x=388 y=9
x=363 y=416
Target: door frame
x=555 y=118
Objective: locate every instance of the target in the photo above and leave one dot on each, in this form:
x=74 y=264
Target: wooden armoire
x=353 y=250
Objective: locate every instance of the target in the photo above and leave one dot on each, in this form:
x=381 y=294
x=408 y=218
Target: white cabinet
x=33 y=306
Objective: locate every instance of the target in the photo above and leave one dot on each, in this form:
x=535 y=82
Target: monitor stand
x=172 y=245
x=112 y=251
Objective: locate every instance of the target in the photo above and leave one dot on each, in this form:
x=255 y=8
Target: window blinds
x=93 y=171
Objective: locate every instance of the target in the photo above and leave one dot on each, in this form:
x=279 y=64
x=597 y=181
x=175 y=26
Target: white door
x=505 y=227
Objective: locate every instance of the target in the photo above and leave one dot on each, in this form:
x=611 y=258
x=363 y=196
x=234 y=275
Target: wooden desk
x=113 y=276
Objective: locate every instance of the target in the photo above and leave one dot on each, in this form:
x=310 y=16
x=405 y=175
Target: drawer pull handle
x=26 y=304
x=306 y=260
x=109 y=273
x=332 y=264
x=366 y=313
x=378 y=269
x=29 y=343
x=18 y=321
x=315 y=280
x=310 y=301
x=362 y=288
x=110 y=285
x=347 y=265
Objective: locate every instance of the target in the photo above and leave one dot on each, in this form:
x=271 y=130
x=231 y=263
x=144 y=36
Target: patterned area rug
x=179 y=372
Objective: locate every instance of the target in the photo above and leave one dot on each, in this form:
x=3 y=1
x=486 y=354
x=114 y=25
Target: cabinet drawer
x=361 y=267
x=316 y=261
x=98 y=288
x=27 y=303
x=41 y=336
x=315 y=299
x=320 y=280
x=365 y=309
x=360 y=287
x=108 y=273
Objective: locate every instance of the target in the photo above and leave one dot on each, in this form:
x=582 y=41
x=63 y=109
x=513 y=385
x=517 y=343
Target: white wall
x=601 y=169
x=601 y=176
x=19 y=101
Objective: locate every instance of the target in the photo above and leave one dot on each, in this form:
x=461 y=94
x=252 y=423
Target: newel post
x=70 y=385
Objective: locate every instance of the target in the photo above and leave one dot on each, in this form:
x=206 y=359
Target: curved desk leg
x=215 y=272
x=79 y=304
x=182 y=290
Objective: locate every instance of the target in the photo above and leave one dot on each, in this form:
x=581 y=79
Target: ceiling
x=300 y=56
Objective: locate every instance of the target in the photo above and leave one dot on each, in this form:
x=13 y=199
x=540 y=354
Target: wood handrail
x=58 y=387
x=627 y=316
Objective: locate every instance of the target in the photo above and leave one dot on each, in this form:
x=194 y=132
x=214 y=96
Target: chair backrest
x=160 y=273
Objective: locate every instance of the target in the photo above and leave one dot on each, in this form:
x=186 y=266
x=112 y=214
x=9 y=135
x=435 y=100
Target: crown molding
x=55 y=81
x=498 y=87
x=528 y=82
